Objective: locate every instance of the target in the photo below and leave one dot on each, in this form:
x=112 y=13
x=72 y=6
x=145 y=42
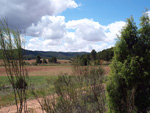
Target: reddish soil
x=107 y=69
x=43 y=70
x=33 y=106
x=49 y=70
x=58 y=61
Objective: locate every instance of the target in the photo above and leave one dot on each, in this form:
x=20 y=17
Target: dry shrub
x=12 y=56
x=84 y=93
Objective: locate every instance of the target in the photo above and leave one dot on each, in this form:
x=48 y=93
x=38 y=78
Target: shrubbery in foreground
x=128 y=87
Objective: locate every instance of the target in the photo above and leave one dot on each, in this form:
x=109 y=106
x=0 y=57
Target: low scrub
x=83 y=93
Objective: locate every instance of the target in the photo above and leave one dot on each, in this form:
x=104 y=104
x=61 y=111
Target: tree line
x=94 y=58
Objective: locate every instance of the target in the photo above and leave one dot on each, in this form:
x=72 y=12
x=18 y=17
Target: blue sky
x=71 y=25
x=107 y=11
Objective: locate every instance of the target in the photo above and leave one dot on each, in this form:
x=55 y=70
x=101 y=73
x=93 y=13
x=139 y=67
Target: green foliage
x=84 y=61
x=52 y=60
x=128 y=87
x=21 y=83
x=94 y=58
x=106 y=54
x=42 y=85
x=38 y=59
x=28 y=54
x=93 y=55
x=83 y=93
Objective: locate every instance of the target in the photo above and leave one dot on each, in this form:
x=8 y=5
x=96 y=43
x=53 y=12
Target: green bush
x=52 y=60
x=78 y=94
x=128 y=86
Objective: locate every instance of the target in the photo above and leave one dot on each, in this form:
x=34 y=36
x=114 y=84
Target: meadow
x=41 y=85
x=41 y=80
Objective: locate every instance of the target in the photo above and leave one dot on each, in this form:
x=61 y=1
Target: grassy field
x=41 y=79
x=42 y=85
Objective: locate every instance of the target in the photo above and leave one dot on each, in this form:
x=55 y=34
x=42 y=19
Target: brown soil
x=33 y=107
x=59 y=61
x=43 y=70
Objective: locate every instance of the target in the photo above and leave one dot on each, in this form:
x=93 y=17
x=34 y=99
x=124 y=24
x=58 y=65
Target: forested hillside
x=47 y=54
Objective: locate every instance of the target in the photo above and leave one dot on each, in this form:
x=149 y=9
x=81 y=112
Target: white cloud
x=76 y=35
x=50 y=32
x=50 y=27
x=22 y=13
x=87 y=29
x=61 y=5
x=34 y=43
x=113 y=29
x=51 y=42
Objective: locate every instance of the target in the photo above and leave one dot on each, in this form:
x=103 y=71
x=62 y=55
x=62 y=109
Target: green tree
x=128 y=86
x=38 y=59
x=93 y=54
x=105 y=54
x=52 y=60
x=83 y=61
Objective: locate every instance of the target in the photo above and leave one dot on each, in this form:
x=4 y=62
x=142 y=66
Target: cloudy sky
x=70 y=25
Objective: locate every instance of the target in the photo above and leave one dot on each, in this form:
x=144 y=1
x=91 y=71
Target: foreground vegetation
x=128 y=87
x=41 y=85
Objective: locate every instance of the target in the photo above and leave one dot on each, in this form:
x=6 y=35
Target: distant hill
x=28 y=54
x=105 y=54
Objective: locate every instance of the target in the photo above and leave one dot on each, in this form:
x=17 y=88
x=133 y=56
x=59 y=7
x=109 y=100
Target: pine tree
x=128 y=87
x=93 y=54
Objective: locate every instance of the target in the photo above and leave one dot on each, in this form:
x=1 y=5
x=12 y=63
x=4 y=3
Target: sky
x=70 y=25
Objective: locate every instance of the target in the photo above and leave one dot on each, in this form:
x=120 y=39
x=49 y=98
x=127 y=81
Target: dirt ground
x=33 y=106
x=58 y=61
x=43 y=70
x=49 y=70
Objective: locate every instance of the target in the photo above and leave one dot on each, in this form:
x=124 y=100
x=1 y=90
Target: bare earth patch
x=33 y=106
x=43 y=70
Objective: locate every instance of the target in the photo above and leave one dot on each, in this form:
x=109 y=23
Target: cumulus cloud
x=21 y=14
x=34 y=43
x=76 y=35
x=61 y=5
x=50 y=27
x=50 y=32
x=87 y=29
x=113 y=29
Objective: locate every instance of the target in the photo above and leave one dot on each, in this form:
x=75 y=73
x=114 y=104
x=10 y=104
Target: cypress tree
x=128 y=86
